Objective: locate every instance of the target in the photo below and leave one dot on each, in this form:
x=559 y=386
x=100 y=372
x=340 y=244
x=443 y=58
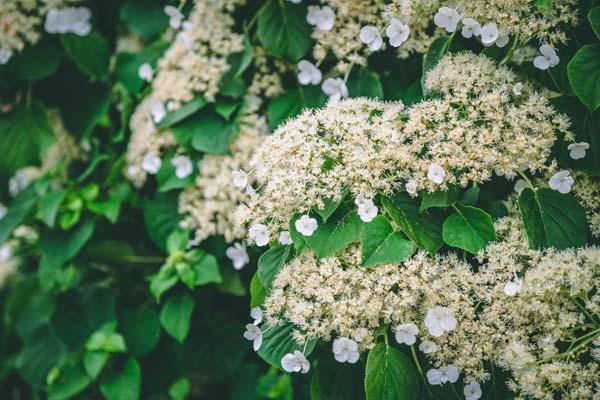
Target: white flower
x=407 y=334
x=470 y=28
x=577 y=150
x=397 y=32
x=3 y=211
x=439 y=320
x=240 y=178
x=158 y=111
x=295 y=1
x=444 y=374
x=489 y=34
x=370 y=36
x=512 y=288
x=517 y=89
x=257 y=315
x=306 y=225
x=238 y=255
x=295 y=362
x=436 y=174
x=428 y=347
x=19 y=181
x=561 y=181
x=254 y=333
x=548 y=59
x=175 y=16
x=69 y=20
x=323 y=18
x=184 y=38
x=145 y=72
x=151 y=163
x=472 y=391
x=260 y=234
x=367 y=210
x=520 y=185
x=183 y=166
x=285 y=238
x=5 y=55
x=335 y=88
x=308 y=74
x=345 y=350
x=6 y=252
x=502 y=40
x=447 y=18
x=411 y=187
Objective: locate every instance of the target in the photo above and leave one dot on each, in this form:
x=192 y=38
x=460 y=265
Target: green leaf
x=141 y=330
x=293 y=102
x=85 y=106
x=60 y=246
x=227 y=108
x=552 y=219
x=128 y=64
x=544 y=5
x=24 y=136
x=165 y=279
x=48 y=206
x=436 y=51
x=144 y=17
x=339 y=381
x=257 y=291
x=176 y=314
x=72 y=381
x=469 y=228
x=390 y=375
x=180 y=389
x=94 y=362
x=124 y=384
x=584 y=75
x=278 y=341
x=594 y=18
x=444 y=198
x=91 y=53
x=40 y=352
x=209 y=133
x=162 y=217
x=270 y=262
x=381 y=245
x=177 y=241
x=335 y=235
x=167 y=180
x=329 y=208
x=297 y=237
x=365 y=83
x=205 y=267
x=38 y=61
x=283 y=30
x=182 y=112
x=18 y=210
x=422 y=228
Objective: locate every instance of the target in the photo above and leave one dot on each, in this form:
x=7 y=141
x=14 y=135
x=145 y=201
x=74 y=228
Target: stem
x=415 y=359
x=526 y=179
x=255 y=17
x=583 y=310
x=511 y=51
x=347 y=74
x=455 y=392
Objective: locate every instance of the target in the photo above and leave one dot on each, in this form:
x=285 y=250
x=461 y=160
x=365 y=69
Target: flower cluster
x=587 y=192
x=473 y=126
x=21 y=22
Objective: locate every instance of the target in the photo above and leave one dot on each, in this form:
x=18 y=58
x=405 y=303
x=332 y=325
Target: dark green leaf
x=257 y=291
x=381 y=245
x=182 y=113
x=340 y=381
x=162 y=217
x=365 y=83
x=85 y=106
x=270 y=262
x=124 y=384
x=141 y=330
x=208 y=133
x=20 y=207
x=41 y=351
x=60 y=246
x=38 y=61
x=292 y=102
x=584 y=75
x=329 y=208
x=594 y=18
x=144 y=17
x=176 y=314
x=278 y=341
x=283 y=30
x=390 y=375
x=552 y=219
x=91 y=53
x=469 y=228
x=436 y=51
x=336 y=234
x=48 y=206
x=439 y=199
x=72 y=381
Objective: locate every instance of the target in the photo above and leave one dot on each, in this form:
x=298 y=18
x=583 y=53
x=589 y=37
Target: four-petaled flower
x=175 y=16
x=145 y=72
x=397 y=32
x=447 y=18
x=345 y=350
x=285 y=238
x=511 y=288
x=439 y=320
x=158 y=112
x=470 y=28
x=260 y=234
x=238 y=255
x=561 y=181
x=151 y=163
x=254 y=334
x=370 y=36
x=306 y=225
x=367 y=210
x=445 y=374
x=548 y=59
x=308 y=74
x=577 y=150
x=321 y=17
x=428 y=347
x=407 y=334
x=240 y=178
x=436 y=174
x=472 y=391
x=335 y=88
x=183 y=166
x=489 y=34
x=256 y=314
x=295 y=362
x=69 y=20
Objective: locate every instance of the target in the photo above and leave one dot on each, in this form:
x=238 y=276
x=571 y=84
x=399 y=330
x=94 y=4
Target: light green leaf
x=552 y=219
x=48 y=206
x=544 y=5
x=336 y=234
x=91 y=53
x=278 y=341
x=205 y=267
x=283 y=30
x=165 y=279
x=390 y=375
x=381 y=245
x=270 y=262
x=124 y=384
x=182 y=113
x=176 y=314
x=469 y=228
x=180 y=389
x=94 y=362
x=584 y=75
x=257 y=291
x=72 y=381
